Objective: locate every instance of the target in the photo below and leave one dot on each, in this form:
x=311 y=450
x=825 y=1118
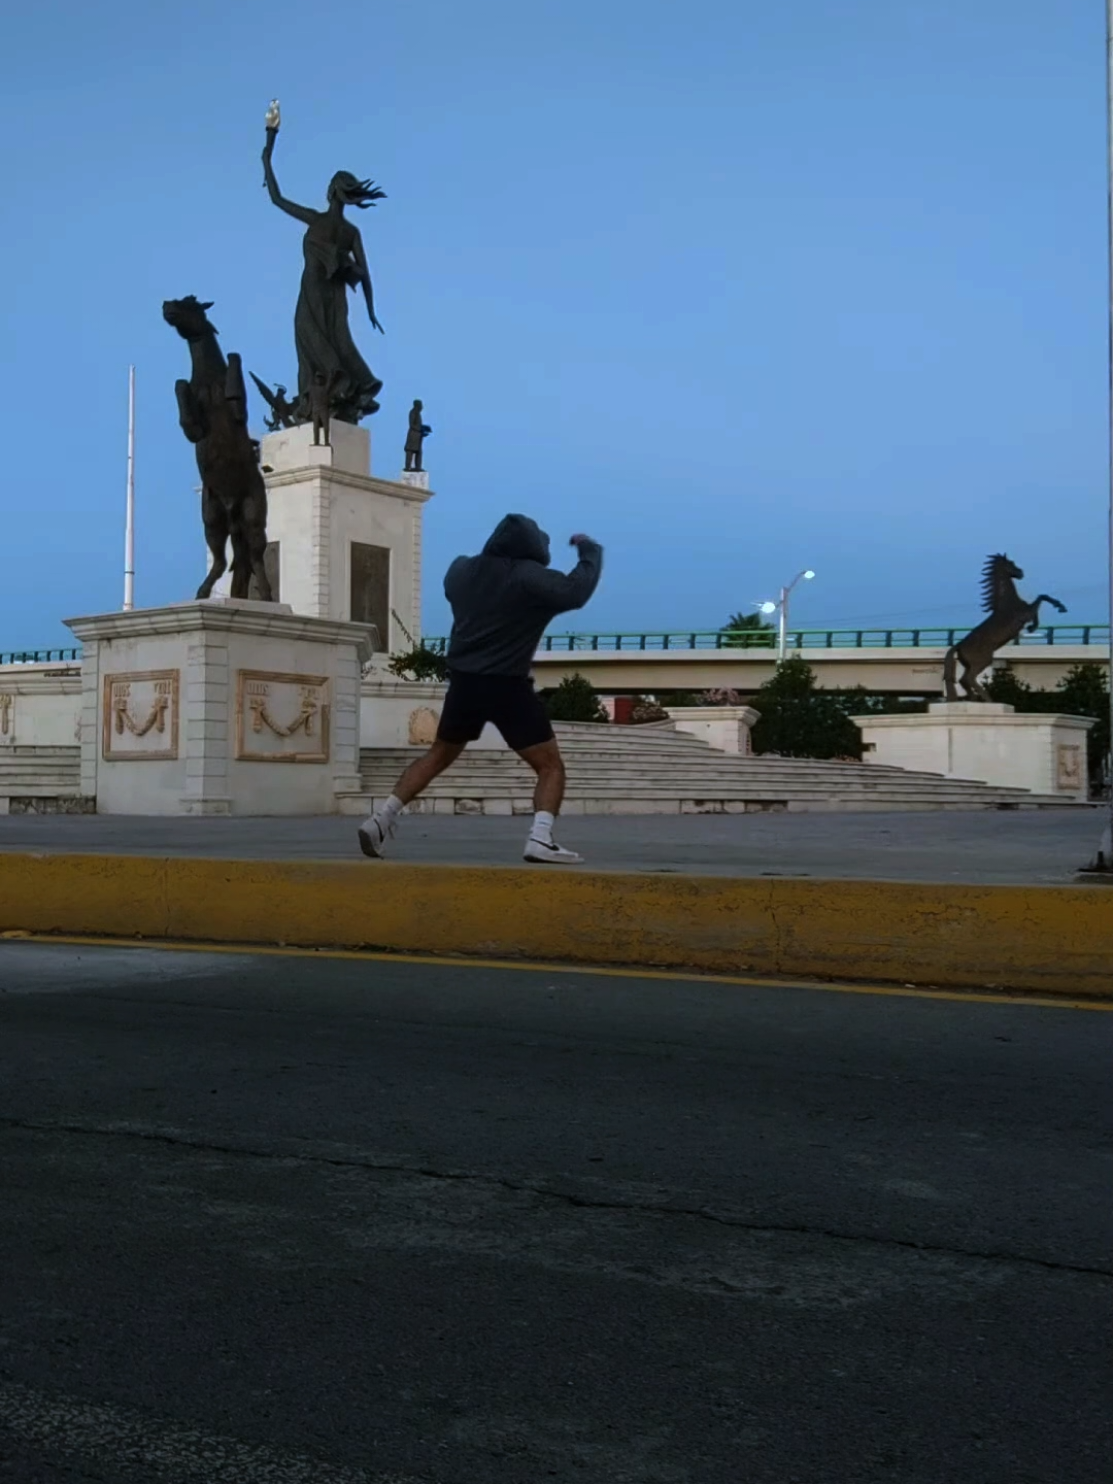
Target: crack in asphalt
x=176 y=1138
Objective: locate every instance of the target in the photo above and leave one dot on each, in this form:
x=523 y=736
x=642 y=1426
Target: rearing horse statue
x=1008 y=613
x=212 y=410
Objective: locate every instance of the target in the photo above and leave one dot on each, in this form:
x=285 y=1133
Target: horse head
x=998 y=576
x=187 y=316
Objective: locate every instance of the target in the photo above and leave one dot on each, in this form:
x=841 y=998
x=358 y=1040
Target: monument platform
x=223 y=706
x=996 y=744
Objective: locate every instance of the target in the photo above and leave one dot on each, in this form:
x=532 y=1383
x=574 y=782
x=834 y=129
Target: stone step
x=381 y=784
x=747 y=773
x=624 y=753
x=463 y=788
x=459 y=783
x=39 y=772
x=384 y=762
x=655 y=769
x=31 y=769
x=491 y=761
x=628 y=804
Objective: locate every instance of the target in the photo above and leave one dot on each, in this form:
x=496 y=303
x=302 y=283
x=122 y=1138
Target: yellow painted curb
x=1029 y=938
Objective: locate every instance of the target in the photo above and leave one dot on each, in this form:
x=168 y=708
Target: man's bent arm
x=563 y=591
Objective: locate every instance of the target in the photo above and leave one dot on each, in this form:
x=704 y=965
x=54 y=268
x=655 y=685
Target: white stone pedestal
x=219 y=707
x=341 y=544
x=992 y=744
x=405 y=713
x=726 y=728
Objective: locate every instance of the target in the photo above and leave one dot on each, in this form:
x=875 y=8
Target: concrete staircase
x=611 y=770
x=42 y=780
x=655 y=769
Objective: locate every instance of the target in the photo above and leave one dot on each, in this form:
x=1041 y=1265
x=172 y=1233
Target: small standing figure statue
x=418 y=432
x=320 y=408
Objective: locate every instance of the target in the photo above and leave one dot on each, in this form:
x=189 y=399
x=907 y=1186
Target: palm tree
x=748 y=631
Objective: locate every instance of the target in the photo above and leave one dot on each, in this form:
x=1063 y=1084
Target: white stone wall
x=398 y=713
x=40 y=705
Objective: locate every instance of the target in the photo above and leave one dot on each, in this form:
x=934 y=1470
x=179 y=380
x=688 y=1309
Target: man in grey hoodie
x=502 y=602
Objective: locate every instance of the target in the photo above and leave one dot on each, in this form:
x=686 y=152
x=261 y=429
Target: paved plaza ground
x=363 y=1222
x=979 y=847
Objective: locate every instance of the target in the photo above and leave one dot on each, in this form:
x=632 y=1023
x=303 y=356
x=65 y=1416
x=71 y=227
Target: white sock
x=391 y=810
x=542 y=827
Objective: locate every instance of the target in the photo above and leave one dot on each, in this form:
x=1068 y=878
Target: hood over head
x=519 y=537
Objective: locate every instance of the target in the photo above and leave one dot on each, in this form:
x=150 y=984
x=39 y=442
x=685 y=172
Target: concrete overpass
x=901 y=662
x=906 y=662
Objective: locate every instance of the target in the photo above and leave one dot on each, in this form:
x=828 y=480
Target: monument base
x=342 y=544
x=726 y=728
x=994 y=744
x=219 y=707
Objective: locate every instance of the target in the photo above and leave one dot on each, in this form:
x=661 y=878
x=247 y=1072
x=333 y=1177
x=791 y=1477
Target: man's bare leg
x=375 y=831
x=548 y=795
x=420 y=774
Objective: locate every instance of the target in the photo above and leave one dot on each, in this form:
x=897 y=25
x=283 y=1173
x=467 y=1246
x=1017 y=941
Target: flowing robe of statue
x=334 y=264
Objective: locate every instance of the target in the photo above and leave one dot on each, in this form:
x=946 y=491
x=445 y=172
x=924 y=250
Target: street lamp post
x=781 y=605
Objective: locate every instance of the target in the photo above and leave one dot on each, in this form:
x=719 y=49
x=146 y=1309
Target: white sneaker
x=373 y=836
x=547 y=852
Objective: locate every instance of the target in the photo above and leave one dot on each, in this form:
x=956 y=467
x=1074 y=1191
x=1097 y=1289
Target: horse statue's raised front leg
x=191 y=415
x=1044 y=598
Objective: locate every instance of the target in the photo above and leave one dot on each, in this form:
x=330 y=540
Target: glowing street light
x=781 y=607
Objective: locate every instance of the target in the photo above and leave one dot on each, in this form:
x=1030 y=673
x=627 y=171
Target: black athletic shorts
x=508 y=702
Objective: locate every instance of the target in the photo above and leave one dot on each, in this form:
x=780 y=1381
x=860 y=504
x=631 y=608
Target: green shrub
x=574 y=699
x=797 y=719
x=419 y=663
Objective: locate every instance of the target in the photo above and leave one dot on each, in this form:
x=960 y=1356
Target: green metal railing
x=1082 y=635
x=39 y=656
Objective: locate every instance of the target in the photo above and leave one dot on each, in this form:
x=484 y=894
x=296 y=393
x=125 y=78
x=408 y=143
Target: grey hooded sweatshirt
x=503 y=600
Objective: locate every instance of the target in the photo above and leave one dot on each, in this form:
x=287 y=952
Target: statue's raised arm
x=304 y=214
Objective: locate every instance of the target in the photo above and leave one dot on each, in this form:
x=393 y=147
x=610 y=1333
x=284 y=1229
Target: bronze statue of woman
x=334 y=262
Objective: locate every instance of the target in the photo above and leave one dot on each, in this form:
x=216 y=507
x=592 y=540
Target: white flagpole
x=129 y=527
x=1103 y=862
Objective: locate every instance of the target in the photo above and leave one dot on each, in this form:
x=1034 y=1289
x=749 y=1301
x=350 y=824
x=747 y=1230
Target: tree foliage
x=747 y=631
x=797 y=719
x=574 y=699
x=419 y=663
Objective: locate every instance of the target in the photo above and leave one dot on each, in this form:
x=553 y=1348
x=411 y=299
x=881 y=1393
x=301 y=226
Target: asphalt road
x=325 y=1221
x=1007 y=847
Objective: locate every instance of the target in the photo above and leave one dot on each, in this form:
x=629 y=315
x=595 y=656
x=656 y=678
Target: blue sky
x=738 y=288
